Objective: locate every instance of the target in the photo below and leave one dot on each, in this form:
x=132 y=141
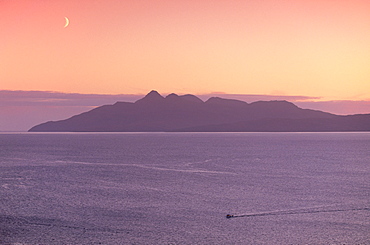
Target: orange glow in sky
x=287 y=47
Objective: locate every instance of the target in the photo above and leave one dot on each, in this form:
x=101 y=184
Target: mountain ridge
x=188 y=113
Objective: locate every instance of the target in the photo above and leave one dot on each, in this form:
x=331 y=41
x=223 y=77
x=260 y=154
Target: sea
x=178 y=188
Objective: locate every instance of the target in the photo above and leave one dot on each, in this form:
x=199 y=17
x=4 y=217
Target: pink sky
x=281 y=48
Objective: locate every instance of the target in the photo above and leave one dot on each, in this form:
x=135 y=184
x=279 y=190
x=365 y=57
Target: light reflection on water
x=176 y=188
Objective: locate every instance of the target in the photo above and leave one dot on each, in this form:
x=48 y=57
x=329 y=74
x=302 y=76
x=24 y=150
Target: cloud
x=339 y=107
x=20 y=110
x=48 y=98
x=257 y=97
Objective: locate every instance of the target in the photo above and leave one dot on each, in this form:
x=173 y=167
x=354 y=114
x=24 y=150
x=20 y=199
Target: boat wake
x=310 y=210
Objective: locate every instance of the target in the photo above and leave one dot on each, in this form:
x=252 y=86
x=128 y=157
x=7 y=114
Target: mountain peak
x=187 y=98
x=172 y=96
x=152 y=96
x=275 y=103
x=221 y=101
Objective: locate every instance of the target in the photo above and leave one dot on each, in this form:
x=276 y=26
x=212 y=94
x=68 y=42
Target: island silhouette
x=188 y=113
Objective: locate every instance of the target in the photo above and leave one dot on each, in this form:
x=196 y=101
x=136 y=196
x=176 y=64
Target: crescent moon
x=67 y=22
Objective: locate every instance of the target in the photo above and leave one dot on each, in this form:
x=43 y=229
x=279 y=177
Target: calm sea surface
x=176 y=188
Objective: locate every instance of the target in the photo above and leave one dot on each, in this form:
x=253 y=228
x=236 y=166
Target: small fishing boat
x=228 y=216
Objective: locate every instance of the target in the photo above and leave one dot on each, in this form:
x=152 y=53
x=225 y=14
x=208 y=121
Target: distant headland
x=188 y=113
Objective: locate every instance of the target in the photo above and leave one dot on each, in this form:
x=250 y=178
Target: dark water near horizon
x=176 y=188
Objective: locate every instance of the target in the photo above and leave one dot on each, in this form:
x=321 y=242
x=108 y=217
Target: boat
x=228 y=216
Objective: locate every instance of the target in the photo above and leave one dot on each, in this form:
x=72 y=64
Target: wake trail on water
x=190 y=170
x=310 y=210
